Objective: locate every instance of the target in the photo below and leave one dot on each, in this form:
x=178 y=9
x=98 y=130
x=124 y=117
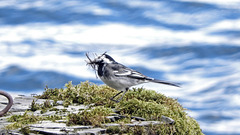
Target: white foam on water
x=77 y=6
x=117 y=34
x=59 y=63
x=231 y=4
x=229 y=127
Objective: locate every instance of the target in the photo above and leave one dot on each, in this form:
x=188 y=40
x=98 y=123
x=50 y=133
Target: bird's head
x=101 y=59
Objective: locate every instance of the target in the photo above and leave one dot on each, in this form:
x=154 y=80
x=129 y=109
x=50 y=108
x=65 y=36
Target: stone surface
x=167 y=120
x=115 y=118
x=22 y=103
x=3 y=102
x=50 y=131
x=60 y=102
x=93 y=131
x=48 y=125
x=138 y=118
x=135 y=123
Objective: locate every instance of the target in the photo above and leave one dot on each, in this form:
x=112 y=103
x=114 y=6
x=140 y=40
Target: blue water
x=192 y=42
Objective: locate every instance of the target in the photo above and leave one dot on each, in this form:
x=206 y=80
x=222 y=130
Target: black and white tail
x=164 y=82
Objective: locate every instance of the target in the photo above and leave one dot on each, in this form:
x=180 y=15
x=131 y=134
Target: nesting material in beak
x=92 y=64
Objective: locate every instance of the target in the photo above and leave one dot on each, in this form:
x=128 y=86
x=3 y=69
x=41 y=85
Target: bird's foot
x=117 y=101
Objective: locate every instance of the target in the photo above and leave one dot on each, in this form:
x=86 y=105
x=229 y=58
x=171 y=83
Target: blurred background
x=192 y=42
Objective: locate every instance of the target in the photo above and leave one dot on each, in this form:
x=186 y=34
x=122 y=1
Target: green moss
x=137 y=102
x=54 y=117
x=136 y=130
x=34 y=106
x=84 y=93
x=19 y=121
x=95 y=117
x=113 y=130
x=118 y=130
x=43 y=107
x=25 y=130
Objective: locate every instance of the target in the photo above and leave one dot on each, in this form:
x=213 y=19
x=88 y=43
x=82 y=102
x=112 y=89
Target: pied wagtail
x=119 y=76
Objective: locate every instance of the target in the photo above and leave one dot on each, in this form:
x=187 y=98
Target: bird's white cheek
x=107 y=60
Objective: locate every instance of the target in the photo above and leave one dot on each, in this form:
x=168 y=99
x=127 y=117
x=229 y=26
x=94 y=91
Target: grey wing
x=123 y=71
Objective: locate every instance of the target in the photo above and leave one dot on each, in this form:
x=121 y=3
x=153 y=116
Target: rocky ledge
x=23 y=103
x=87 y=109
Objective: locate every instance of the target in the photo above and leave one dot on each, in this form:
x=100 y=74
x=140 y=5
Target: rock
x=3 y=102
x=37 y=113
x=76 y=108
x=49 y=113
x=138 y=118
x=93 y=131
x=80 y=127
x=59 y=107
x=55 y=125
x=111 y=124
x=115 y=117
x=60 y=102
x=49 y=131
x=61 y=121
x=23 y=103
x=41 y=101
x=3 y=122
x=167 y=120
x=144 y=123
x=13 y=132
x=112 y=118
x=48 y=125
x=136 y=123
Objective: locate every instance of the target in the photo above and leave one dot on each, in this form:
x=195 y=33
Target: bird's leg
x=122 y=96
x=112 y=98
